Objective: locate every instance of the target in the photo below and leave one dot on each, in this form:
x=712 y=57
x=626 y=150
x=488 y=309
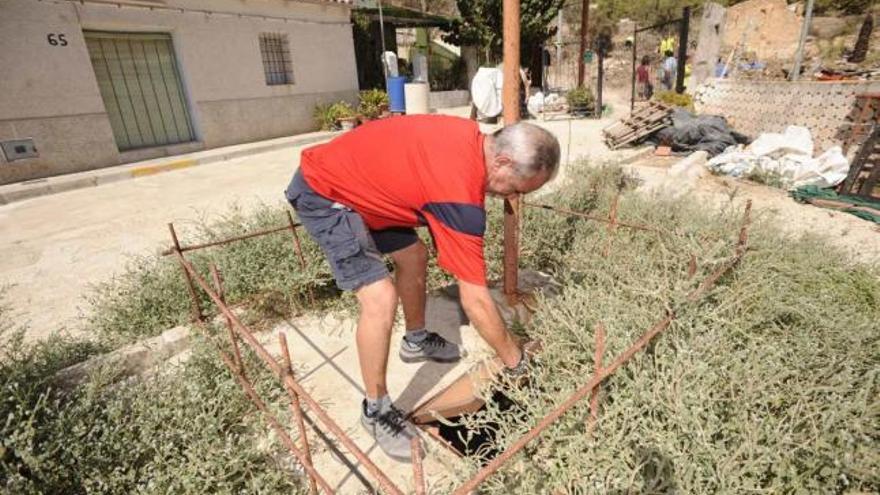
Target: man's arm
x=481 y=310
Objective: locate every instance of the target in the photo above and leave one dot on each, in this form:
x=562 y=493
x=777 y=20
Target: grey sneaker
x=433 y=348
x=392 y=432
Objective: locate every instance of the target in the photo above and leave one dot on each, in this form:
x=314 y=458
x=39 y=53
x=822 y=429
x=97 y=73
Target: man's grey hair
x=532 y=149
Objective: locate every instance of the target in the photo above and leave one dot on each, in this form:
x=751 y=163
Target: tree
x=481 y=25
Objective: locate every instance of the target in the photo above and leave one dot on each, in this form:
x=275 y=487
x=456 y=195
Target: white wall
x=50 y=92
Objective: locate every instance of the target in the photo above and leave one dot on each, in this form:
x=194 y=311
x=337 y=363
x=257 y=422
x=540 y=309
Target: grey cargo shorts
x=354 y=252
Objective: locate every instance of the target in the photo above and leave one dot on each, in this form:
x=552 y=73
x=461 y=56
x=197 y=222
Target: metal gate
x=141 y=88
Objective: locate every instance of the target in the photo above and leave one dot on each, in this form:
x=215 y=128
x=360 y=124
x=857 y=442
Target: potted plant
x=335 y=116
x=373 y=104
x=580 y=101
x=345 y=115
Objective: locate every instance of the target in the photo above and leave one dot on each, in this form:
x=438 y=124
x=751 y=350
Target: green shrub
x=327 y=115
x=768 y=384
x=150 y=295
x=674 y=99
x=186 y=429
x=372 y=103
x=580 y=99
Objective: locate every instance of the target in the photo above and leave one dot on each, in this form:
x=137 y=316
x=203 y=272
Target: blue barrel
x=395 y=94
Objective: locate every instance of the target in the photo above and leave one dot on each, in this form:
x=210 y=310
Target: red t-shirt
x=411 y=171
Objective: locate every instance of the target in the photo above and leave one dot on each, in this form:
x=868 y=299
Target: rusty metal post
x=511 y=113
x=612 y=224
x=296 y=408
x=236 y=352
x=299 y=252
x=196 y=308
x=597 y=366
x=418 y=471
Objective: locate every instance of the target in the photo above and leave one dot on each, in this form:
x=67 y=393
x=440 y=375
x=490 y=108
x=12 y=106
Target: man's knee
x=414 y=255
x=378 y=298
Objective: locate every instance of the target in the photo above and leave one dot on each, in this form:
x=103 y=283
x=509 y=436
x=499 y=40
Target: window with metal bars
x=276 y=58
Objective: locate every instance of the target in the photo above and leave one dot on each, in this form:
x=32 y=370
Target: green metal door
x=141 y=88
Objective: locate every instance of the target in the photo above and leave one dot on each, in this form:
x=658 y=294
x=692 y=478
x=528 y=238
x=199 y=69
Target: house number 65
x=56 y=39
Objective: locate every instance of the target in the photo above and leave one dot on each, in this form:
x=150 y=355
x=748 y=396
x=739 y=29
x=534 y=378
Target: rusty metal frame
x=238 y=331
x=601 y=374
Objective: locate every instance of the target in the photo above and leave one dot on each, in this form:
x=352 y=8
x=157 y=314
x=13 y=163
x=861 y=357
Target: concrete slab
x=326 y=361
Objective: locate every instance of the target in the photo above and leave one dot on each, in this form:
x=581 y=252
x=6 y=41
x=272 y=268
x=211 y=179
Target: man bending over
x=361 y=195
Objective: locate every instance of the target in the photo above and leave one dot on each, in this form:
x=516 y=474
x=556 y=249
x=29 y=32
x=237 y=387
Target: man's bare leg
x=411 y=271
x=419 y=344
x=378 y=304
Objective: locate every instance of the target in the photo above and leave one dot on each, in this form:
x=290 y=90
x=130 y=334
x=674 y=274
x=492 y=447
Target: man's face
x=503 y=181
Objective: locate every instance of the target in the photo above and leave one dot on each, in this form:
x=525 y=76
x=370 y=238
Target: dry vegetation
x=769 y=384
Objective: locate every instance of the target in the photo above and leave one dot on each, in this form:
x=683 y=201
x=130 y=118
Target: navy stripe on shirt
x=461 y=217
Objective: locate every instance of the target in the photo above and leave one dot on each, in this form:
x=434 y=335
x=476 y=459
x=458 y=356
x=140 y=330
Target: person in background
x=670 y=68
x=643 y=79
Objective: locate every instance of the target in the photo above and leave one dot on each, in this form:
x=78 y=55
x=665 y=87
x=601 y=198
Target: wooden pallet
x=643 y=121
x=864 y=173
x=864 y=115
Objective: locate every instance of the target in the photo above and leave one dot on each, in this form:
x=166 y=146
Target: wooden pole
x=799 y=55
x=585 y=19
x=511 y=114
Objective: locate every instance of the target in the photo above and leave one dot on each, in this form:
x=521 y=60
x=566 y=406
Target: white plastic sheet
x=789 y=156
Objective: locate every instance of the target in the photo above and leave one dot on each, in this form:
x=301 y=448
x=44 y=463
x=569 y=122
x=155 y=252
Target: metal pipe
x=296 y=409
x=291 y=385
x=511 y=115
x=418 y=471
x=225 y=241
x=196 y=307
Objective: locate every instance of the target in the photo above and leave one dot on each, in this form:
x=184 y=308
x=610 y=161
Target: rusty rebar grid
x=239 y=375
x=612 y=224
x=600 y=376
x=597 y=367
x=581 y=214
x=292 y=387
x=418 y=471
x=297 y=246
x=296 y=408
x=221 y=242
x=196 y=309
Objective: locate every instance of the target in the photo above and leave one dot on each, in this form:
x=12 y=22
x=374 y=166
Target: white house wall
x=50 y=93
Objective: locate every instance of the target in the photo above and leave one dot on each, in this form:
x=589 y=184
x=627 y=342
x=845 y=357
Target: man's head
x=520 y=158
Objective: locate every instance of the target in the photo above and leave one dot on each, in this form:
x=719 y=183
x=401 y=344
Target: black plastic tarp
x=690 y=132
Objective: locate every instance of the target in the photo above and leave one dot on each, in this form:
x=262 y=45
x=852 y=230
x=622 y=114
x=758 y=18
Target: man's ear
x=503 y=161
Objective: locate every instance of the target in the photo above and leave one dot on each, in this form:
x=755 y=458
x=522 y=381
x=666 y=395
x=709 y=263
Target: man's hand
x=481 y=310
